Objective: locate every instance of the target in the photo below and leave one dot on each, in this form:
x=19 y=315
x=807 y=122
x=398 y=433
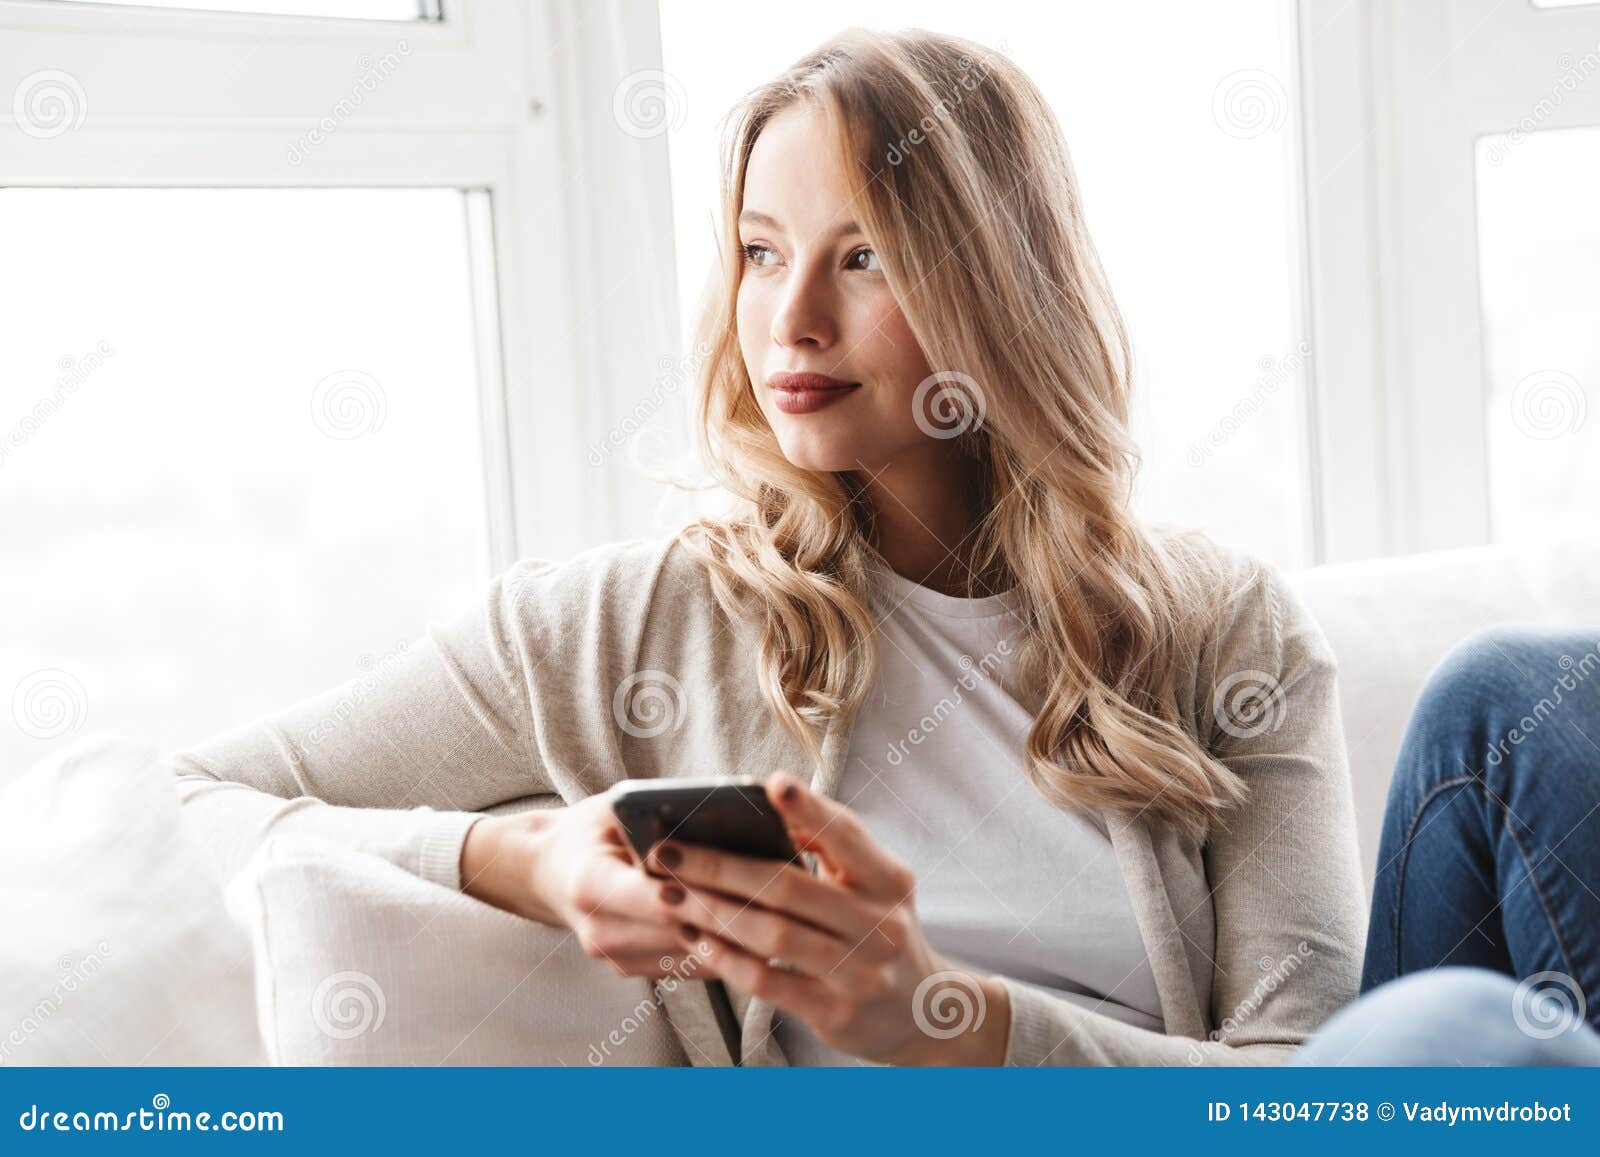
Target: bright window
x=241 y=449
x=1539 y=247
x=342 y=9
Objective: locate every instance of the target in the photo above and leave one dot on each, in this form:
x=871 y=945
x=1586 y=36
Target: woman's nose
x=805 y=318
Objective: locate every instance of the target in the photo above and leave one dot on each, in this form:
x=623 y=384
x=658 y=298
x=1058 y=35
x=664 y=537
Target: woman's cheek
x=890 y=321
x=896 y=355
x=747 y=320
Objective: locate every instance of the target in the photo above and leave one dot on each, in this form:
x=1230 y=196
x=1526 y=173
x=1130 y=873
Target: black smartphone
x=729 y=813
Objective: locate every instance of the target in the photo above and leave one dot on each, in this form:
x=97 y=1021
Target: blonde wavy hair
x=978 y=227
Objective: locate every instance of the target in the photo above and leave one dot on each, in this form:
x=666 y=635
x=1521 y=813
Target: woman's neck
x=926 y=513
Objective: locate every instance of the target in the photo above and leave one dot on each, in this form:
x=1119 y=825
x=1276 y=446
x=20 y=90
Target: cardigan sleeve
x=504 y=700
x=1283 y=870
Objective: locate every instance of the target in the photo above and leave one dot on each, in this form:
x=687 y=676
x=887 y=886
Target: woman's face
x=813 y=301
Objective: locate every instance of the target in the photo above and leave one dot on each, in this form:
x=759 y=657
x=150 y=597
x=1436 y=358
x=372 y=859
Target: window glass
x=239 y=450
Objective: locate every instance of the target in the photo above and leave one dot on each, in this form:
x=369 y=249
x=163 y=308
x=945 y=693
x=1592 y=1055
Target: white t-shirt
x=1007 y=883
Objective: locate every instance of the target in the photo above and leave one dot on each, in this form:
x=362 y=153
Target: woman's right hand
x=570 y=867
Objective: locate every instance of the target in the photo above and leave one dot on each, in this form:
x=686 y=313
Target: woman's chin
x=820 y=455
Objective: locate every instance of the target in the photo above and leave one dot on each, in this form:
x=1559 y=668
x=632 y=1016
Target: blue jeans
x=1451 y=1016
x=1487 y=894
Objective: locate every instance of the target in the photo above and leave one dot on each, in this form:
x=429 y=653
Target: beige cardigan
x=516 y=703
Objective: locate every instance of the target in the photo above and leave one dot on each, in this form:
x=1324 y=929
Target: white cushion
x=362 y=963
x=117 y=946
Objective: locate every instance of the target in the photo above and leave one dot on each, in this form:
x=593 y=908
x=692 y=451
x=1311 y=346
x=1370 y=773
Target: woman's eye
x=760 y=255
x=863 y=259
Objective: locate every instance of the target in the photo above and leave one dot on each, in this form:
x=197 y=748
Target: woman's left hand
x=867 y=984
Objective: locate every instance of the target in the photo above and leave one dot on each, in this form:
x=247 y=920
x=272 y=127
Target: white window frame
x=1395 y=97
x=495 y=98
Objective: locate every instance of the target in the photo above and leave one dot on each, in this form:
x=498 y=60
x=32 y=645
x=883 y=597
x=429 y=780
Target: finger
x=658 y=965
x=613 y=938
x=770 y=935
x=610 y=888
x=780 y=886
x=828 y=825
x=615 y=841
x=791 y=991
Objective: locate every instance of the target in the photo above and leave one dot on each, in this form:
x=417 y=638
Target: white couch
x=120 y=948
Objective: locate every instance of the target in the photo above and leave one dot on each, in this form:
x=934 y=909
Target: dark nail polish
x=789 y=794
x=672 y=894
x=668 y=856
x=689 y=931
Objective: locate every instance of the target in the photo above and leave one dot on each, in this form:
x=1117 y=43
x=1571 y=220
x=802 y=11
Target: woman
x=1078 y=785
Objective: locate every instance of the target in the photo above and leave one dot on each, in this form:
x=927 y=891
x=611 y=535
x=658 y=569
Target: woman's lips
x=807 y=393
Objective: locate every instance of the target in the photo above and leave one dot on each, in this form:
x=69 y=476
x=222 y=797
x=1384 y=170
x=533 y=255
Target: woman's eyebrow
x=756 y=217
